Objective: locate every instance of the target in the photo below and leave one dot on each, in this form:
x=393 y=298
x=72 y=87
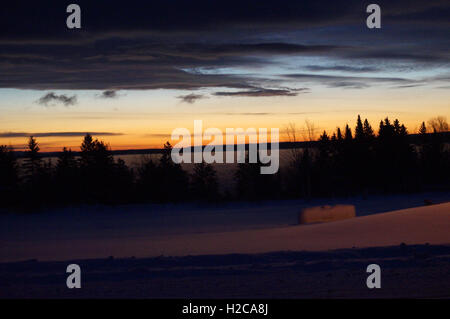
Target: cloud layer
x=196 y=44
x=263 y=92
x=55 y=134
x=52 y=98
x=109 y=94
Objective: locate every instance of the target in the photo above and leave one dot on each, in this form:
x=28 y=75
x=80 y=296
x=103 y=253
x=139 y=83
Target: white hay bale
x=322 y=214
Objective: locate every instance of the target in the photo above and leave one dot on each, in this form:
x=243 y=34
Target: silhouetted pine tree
x=348 y=161
x=325 y=147
x=33 y=162
x=95 y=155
x=435 y=161
x=348 y=134
x=395 y=157
x=368 y=131
x=67 y=165
x=67 y=176
x=333 y=137
x=204 y=184
x=423 y=129
x=124 y=190
x=339 y=134
x=362 y=159
x=324 y=166
x=174 y=182
x=96 y=170
x=359 y=130
x=324 y=137
x=37 y=185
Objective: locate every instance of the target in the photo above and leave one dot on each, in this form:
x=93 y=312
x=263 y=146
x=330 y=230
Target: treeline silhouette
x=363 y=162
x=341 y=164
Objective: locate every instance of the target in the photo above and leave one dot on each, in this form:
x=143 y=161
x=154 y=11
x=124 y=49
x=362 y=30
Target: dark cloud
x=407 y=86
x=259 y=48
x=355 y=82
x=263 y=92
x=109 y=94
x=52 y=98
x=143 y=66
x=344 y=68
x=55 y=134
x=400 y=55
x=191 y=98
x=157 y=44
x=348 y=85
x=99 y=19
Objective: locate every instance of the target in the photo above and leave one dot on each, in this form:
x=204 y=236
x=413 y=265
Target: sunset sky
x=136 y=71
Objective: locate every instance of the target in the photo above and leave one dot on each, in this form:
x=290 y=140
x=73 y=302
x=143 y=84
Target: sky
x=136 y=70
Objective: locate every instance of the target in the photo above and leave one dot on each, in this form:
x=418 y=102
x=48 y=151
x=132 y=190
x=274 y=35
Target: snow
x=177 y=230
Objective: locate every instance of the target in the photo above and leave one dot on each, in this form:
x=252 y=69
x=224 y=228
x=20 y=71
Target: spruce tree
x=381 y=129
x=359 y=130
x=339 y=134
x=324 y=145
x=423 y=129
x=67 y=176
x=368 y=131
x=333 y=137
x=324 y=137
x=66 y=166
x=33 y=162
x=174 y=183
x=397 y=127
x=348 y=133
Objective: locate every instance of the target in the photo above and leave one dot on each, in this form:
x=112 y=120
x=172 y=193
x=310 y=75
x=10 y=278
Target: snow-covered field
x=177 y=230
x=407 y=271
x=241 y=250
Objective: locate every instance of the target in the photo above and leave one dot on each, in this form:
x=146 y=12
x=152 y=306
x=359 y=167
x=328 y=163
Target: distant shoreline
x=282 y=145
x=144 y=151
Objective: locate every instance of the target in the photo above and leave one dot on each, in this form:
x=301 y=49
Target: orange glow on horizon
x=141 y=141
x=143 y=120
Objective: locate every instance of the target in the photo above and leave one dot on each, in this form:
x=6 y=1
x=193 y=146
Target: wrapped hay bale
x=322 y=214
